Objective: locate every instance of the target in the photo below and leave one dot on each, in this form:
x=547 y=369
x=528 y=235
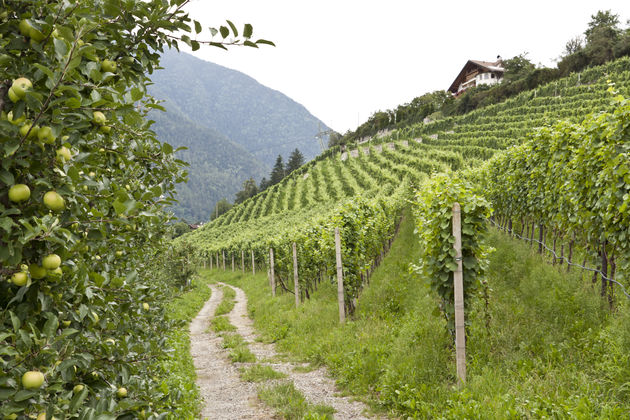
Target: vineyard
x=362 y=189
x=548 y=166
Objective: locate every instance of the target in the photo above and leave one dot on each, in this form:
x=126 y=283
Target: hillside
x=233 y=128
x=381 y=164
x=217 y=168
x=263 y=121
x=363 y=191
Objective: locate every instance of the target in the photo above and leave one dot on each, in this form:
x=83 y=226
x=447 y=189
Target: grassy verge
x=260 y=373
x=179 y=363
x=550 y=349
x=291 y=403
x=227 y=303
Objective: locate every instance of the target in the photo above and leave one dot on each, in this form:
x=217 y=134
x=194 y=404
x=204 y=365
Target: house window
x=492 y=75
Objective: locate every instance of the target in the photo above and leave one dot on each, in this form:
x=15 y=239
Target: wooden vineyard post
x=271 y=273
x=223 y=254
x=243 y=261
x=295 y=276
x=253 y=264
x=460 y=331
x=211 y=258
x=340 y=297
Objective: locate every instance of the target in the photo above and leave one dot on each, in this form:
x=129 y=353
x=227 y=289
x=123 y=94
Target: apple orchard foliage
x=89 y=327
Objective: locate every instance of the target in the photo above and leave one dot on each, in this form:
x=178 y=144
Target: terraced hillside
x=365 y=186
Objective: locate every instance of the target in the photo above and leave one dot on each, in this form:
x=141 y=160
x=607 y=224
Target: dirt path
x=316 y=385
x=225 y=396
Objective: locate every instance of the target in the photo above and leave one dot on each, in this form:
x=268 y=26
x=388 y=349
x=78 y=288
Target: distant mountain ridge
x=233 y=127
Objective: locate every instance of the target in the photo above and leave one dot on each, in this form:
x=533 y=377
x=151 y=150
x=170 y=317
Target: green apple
x=20 y=86
x=66 y=323
x=15 y=121
x=119 y=253
x=108 y=65
x=37 y=272
x=13 y=96
x=52 y=261
x=55 y=275
x=54 y=201
x=122 y=392
x=25 y=27
x=64 y=154
x=77 y=388
x=24 y=130
x=36 y=35
x=33 y=379
x=45 y=134
x=95 y=315
x=19 y=193
x=145 y=306
x=19 y=279
x=105 y=129
x=98 y=118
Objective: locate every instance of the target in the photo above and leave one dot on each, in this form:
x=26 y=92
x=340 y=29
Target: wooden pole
x=460 y=331
x=340 y=296
x=295 y=276
x=253 y=264
x=243 y=261
x=223 y=254
x=232 y=261
x=271 y=273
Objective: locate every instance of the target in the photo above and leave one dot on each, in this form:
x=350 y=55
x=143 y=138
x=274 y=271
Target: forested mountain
x=262 y=120
x=217 y=168
x=233 y=127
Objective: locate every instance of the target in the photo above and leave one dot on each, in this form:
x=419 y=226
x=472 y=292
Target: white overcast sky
x=345 y=59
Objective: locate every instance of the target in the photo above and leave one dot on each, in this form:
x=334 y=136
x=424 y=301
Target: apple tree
x=83 y=184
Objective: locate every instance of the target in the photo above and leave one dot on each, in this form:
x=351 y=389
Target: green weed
x=220 y=324
x=291 y=404
x=260 y=373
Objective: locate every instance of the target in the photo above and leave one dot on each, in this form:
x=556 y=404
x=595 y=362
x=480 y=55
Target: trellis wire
x=562 y=258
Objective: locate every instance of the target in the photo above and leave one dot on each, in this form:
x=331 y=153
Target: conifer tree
x=295 y=161
x=277 y=173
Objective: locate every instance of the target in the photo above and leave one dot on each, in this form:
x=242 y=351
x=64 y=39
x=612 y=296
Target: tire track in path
x=225 y=395
x=316 y=385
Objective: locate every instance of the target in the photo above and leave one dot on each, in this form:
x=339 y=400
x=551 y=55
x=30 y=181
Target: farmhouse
x=477 y=73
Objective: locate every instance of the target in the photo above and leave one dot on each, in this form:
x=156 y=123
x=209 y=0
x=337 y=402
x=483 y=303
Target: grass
x=291 y=404
x=551 y=348
x=179 y=363
x=221 y=324
x=227 y=303
x=260 y=373
x=242 y=354
x=232 y=340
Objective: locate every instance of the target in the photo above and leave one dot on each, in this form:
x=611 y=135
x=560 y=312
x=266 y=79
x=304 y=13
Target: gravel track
x=225 y=395
x=316 y=385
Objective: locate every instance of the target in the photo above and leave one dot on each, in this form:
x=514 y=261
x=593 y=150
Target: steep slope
x=378 y=167
x=217 y=169
x=263 y=121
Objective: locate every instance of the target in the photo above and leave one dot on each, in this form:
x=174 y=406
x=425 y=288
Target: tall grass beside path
x=179 y=362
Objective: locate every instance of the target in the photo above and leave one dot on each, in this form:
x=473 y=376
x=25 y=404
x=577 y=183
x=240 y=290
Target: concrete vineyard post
x=458 y=278
x=253 y=264
x=340 y=296
x=242 y=261
x=295 y=276
x=232 y=261
x=223 y=254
